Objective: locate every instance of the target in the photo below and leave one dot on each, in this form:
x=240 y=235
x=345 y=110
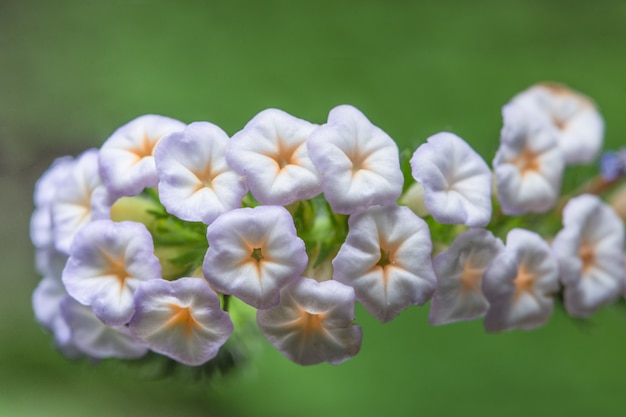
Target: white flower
x=181 y=319
x=590 y=249
x=44 y=196
x=359 y=162
x=456 y=180
x=579 y=125
x=92 y=337
x=271 y=153
x=520 y=283
x=107 y=262
x=313 y=322
x=80 y=197
x=460 y=271
x=126 y=157
x=386 y=259
x=528 y=165
x=195 y=182
x=253 y=253
x=46 y=300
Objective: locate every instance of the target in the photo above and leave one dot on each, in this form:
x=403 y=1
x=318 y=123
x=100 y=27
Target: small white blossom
x=80 y=197
x=456 y=180
x=126 y=157
x=386 y=259
x=44 y=196
x=97 y=340
x=519 y=284
x=313 y=322
x=579 y=125
x=460 y=271
x=590 y=249
x=46 y=300
x=359 y=163
x=272 y=154
x=195 y=182
x=181 y=319
x=528 y=165
x=253 y=253
x=107 y=262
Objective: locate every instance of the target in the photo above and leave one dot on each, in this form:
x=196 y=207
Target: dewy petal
x=528 y=165
x=107 y=262
x=181 y=319
x=460 y=271
x=359 y=163
x=253 y=253
x=97 y=340
x=590 y=249
x=313 y=322
x=520 y=282
x=80 y=198
x=579 y=125
x=126 y=157
x=386 y=259
x=272 y=154
x=456 y=180
x=195 y=182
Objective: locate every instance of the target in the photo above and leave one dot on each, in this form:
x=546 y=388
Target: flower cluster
x=153 y=241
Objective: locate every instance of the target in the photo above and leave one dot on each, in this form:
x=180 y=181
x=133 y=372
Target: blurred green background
x=73 y=71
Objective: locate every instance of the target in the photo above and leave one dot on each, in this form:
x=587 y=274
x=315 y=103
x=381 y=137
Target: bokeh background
x=73 y=71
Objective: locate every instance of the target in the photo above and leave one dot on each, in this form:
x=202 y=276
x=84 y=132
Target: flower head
x=313 y=322
x=272 y=154
x=107 y=262
x=253 y=253
x=359 y=162
x=456 y=180
x=520 y=282
x=195 y=182
x=386 y=259
x=590 y=249
x=181 y=319
x=528 y=165
x=126 y=158
x=579 y=125
x=460 y=271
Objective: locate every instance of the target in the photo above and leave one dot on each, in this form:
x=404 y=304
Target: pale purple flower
x=126 y=157
x=528 y=165
x=93 y=338
x=519 y=284
x=46 y=300
x=313 y=322
x=107 y=262
x=590 y=249
x=577 y=121
x=457 y=181
x=459 y=271
x=386 y=259
x=195 y=182
x=80 y=197
x=271 y=153
x=181 y=319
x=253 y=253
x=359 y=163
x=44 y=196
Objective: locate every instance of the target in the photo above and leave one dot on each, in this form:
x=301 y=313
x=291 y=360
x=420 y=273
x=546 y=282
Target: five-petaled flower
x=253 y=253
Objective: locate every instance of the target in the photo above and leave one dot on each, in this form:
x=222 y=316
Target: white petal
x=456 y=180
x=359 y=162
